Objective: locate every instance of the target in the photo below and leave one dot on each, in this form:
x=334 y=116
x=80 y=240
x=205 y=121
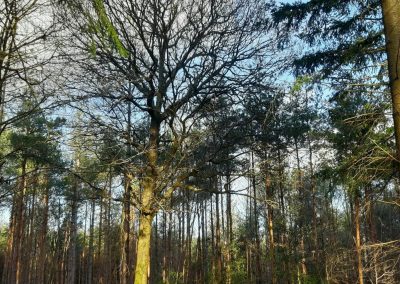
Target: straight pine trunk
x=42 y=242
x=314 y=204
x=89 y=275
x=97 y=257
x=16 y=257
x=8 y=253
x=391 y=21
x=255 y=214
x=29 y=249
x=283 y=237
x=108 y=237
x=301 y=195
x=126 y=223
x=229 y=222
x=72 y=251
x=165 y=276
x=270 y=228
x=218 y=269
x=358 y=239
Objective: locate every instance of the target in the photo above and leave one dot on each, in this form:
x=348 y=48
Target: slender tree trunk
x=270 y=227
x=153 y=277
x=60 y=247
x=72 y=251
x=218 y=271
x=83 y=254
x=16 y=255
x=284 y=237
x=255 y=215
x=29 y=249
x=204 y=233
x=108 y=238
x=132 y=242
x=169 y=247
x=229 y=223
x=314 y=203
x=371 y=235
x=42 y=242
x=181 y=238
x=358 y=239
x=97 y=258
x=10 y=241
x=126 y=215
x=165 y=278
x=91 y=249
x=199 y=264
x=188 y=244
x=125 y=268
x=391 y=21
x=300 y=190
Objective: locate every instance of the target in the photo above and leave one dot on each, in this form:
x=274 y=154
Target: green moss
x=109 y=28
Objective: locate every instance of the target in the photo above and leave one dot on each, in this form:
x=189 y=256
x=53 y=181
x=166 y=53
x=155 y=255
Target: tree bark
x=300 y=190
x=143 y=252
x=255 y=215
x=391 y=21
x=218 y=271
x=91 y=241
x=270 y=227
x=42 y=244
x=358 y=239
x=165 y=276
x=71 y=275
x=147 y=211
x=16 y=255
x=125 y=269
x=229 y=222
x=108 y=237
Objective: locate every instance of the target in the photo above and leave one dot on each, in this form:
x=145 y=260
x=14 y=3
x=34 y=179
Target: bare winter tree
x=163 y=63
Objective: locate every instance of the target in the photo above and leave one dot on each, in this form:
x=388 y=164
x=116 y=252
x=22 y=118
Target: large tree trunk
x=391 y=21
x=143 y=251
x=147 y=210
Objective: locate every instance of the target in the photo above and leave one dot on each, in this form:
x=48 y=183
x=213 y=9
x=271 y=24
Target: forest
x=199 y=141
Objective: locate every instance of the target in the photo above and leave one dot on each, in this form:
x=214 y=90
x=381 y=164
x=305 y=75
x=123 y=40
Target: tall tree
x=178 y=56
x=391 y=21
x=354 y=43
